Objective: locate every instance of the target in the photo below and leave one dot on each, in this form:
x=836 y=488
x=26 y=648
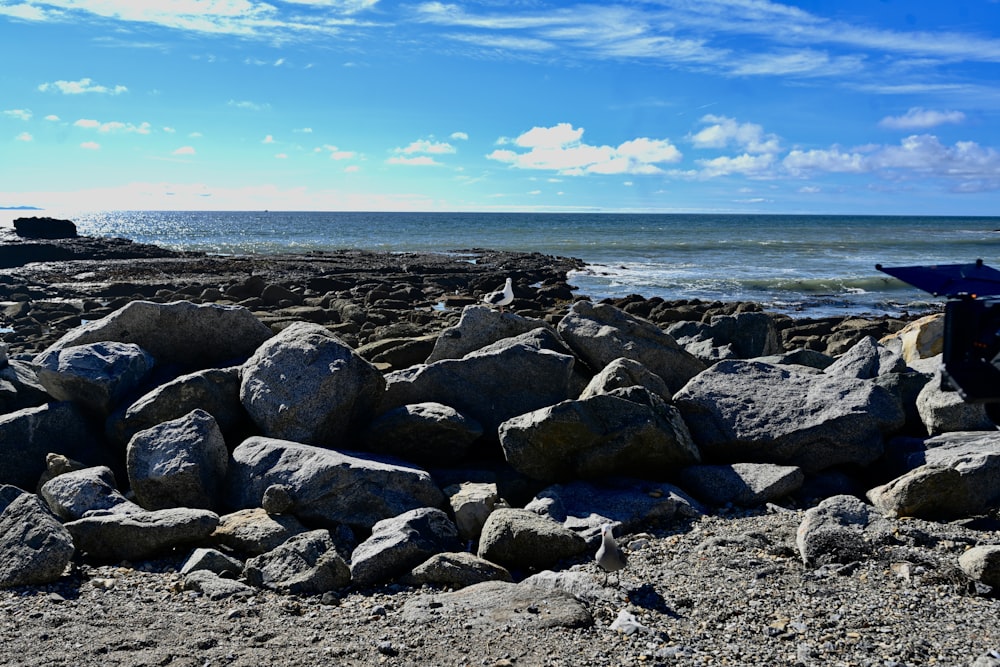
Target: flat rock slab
x=494 y=604
x=140 y=536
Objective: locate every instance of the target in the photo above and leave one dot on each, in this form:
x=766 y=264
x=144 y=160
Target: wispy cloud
x=723 y=132
x=85 y=85
x=918 y=118
x=20 y=114
x=248 y=105
x=184 y=150
x=113 y=126
x=25 y=137
x=90 y=145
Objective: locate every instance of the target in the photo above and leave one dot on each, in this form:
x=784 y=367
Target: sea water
x=806 y=265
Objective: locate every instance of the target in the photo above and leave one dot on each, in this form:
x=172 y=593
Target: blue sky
x=847 y=106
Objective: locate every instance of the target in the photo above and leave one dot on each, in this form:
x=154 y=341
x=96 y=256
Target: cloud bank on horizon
x=663 y=105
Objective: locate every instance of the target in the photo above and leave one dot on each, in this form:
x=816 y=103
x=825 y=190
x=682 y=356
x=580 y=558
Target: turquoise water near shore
x=801 y=264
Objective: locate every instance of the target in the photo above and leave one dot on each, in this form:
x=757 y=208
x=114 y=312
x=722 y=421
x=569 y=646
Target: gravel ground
x=727 y=589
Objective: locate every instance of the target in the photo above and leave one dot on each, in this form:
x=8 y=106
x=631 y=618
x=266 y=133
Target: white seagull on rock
x=609 y=555
x=502 y=297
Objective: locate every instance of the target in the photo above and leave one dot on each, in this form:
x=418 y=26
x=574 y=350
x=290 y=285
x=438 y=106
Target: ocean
x=803 y=265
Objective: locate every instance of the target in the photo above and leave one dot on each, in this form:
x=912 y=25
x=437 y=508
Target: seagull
x=502 y=297
x=609 y=556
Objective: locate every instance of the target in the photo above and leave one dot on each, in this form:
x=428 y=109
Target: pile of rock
x=287 y=460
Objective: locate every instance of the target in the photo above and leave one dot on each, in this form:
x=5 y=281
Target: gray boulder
x=497 y=604
x=601 y=333
x=945 y=411
x=166 y=330
x=308 y=386
x=867 y=359
x=424 y=433
x=328 y=487
x=179 y=463
x=478 y=327
x=621 y=373
x=456 y=569
x=215 y=587
x=489 y=385
x=34 y=547
x=140 y=536
x=214 y=390
x=254 y=531
x=740 y=336
x=400 y=543
x=307 y=564
x=95 y=375
x=27 y=436
x=519 y=538
x=841 y=529
x=71 y=495
x=982 y=564
x=626 y=503
x=604 y=435
x=471 y=504
x=212 y=560
x=746 y=484
x=739 y=411
x=957 y=476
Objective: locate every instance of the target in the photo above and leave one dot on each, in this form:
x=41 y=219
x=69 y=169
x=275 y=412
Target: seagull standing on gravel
x=502 y=297
x=609 y=556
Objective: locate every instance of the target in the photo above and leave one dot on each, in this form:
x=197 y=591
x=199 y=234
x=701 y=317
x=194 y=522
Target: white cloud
x=281 y=156
x=426 y=146
x=113 y=126
x=754 y=166
x=336 y=153
x=304 y=130
x=268 y=140
x=85 y=85
x=169 y=130
x=559 y=148
x=832 y=160
x=20 y=114
x=52 y=118
x=419 y=161
x=24 y=136
x=184 y=150
x=90 y=145
x=918 y=118
x=724 y=132
x=459 y=136
x=247 y=104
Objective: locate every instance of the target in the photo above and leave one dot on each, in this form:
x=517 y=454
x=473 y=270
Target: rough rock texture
x=517 y=538
x=747 y=411
x=306 y=564
x=306 y=385
x=400 y=543
x=95 y=375
x=425 y=433
x=34 y=546
x=115 y=537
x=841 y=529
x=478 y=327
x=223 y=333
x=328 y=487
x=747 y=484
x=71 y=495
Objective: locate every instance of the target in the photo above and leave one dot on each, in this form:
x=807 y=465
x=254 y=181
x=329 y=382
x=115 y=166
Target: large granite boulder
x=179 y=463
x=945 y=412
x=956 y=476
x=841 y=529
x=920 y=339
x=601 y=333
x=71 y=495
x=627 y=432
x=478 y=327
x=326 y=487
x=180 y=332
x=490 y=385
x=254 y=531
x=496 y=604
x=34 y=547
x=400 y=543
x=424 y=433
x=868 y=359
x=520 y=538
x=745 y=484
x=214 y=390
x=626 y=503
x=982 y=563
x=142 y=535
x=748 y=411
x=622 y=373
x=307 y=385
x=27 y=436
x=740 y=336
x=306 y=564
x=456 y=569
x=95 y=375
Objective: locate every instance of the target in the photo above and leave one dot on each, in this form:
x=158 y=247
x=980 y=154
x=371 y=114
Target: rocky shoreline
x=344 y=456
